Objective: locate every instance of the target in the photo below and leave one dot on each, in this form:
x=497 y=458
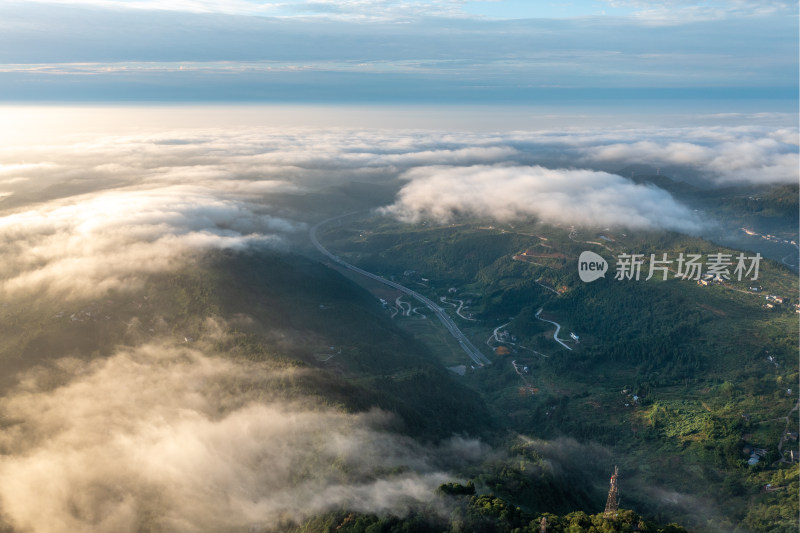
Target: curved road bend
x=558 y=328
x=444 y=318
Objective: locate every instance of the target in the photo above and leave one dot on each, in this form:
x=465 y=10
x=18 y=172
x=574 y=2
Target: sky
x=730 y=55
x=489 y=9
x=137 y=135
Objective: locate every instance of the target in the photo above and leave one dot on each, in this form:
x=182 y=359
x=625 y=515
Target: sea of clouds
x=86 y=216
x=153 y=435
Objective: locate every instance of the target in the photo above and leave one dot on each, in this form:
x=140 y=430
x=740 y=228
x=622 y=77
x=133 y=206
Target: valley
x=686 y=374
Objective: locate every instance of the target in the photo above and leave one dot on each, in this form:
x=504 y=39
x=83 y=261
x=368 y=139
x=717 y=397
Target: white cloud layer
x=94 y=242
x=170 y=439
x=710 y=156
x=556 y=196
x=757 y=160
x=95 y=213
x=91 y=215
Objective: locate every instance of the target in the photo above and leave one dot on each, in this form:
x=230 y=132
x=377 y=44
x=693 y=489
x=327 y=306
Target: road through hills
x=444 y=318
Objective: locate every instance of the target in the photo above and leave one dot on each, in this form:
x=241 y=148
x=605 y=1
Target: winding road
x=401 y=304
x=789 y=419
x=551 y=289
x=458 y=310
x=444 y=318
x=558 y=328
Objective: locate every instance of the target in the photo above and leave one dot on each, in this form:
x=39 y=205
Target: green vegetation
x=276 y=309
x=485 y=513
x=772 y=210
x=675 y=381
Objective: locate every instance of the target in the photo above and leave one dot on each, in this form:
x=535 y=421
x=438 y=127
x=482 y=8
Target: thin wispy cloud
x=672 y=11
x=385 y=51
x=689 y=11
x=353 y=10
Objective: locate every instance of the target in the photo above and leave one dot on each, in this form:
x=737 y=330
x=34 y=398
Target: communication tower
x=612 y=504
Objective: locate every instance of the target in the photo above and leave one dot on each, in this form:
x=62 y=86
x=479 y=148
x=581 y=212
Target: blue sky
x=385 y=51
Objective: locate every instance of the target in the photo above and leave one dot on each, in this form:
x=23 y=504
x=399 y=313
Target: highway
x=444 y=318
